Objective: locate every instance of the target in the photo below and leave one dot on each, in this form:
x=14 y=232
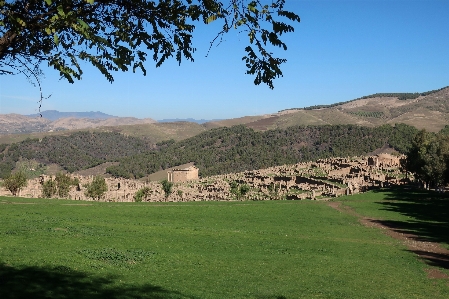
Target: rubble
x=322 y=179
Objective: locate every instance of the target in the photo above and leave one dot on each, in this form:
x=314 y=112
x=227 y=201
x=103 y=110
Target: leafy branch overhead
x=116 y=35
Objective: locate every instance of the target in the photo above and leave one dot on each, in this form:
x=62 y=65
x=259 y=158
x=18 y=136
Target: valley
x=140 y=148
x=296 y=204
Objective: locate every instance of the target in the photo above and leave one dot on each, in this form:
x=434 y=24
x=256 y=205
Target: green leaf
x=21 y=22
x=60 y=11
x=90 y=1
x=56 y=39
x=48 y=2
x=211 y=19
x=252 y=8
x=83 y=24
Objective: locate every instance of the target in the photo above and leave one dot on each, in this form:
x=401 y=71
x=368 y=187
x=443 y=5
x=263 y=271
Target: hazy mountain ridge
x=16 y=123
x=192 y=120
x=55 y=115
x=427 y=110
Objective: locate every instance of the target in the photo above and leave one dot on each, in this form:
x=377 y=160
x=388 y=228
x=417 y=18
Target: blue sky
x=340 y=50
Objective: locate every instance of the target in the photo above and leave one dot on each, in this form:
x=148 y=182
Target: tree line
x=80 y=150
x=238 y=148
x=217 y=151
x=399 y=95
x=428 y=158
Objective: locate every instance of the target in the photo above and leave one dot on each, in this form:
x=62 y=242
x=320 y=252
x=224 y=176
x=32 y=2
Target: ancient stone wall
x=182 y=175
x=324 y=178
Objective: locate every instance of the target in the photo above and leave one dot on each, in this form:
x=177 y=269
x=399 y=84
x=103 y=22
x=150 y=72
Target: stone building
x=319 y=180
x=177 y=175
x=385 y=160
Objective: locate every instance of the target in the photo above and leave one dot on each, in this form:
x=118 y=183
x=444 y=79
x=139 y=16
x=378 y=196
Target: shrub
x=167 y=187
x=244 y=189
x=97 y=188
x=238 y=190
x=49 y=189
x=15 y=182
x=142 y=194
x=64 y=182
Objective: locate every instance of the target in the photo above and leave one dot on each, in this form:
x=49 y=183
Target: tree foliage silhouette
x=116 y=35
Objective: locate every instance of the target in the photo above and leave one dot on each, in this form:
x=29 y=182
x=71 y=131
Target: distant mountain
x=192 y=120
x=21 y=124
x=425 y=110
x=55 y=115
x=16 y=124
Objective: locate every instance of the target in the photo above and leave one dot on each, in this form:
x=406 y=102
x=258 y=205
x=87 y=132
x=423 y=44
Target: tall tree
x=428 y=158
x=15 y=182
x=97 y=188
x=167 y=187
x=115 y=35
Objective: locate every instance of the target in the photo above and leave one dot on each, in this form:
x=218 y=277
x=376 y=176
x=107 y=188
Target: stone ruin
x=319 y=180
x=177 y=175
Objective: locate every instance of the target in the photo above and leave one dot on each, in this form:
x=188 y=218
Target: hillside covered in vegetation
x=239 y=148
x=399 y=95
x=216 y=151
x=76 y=151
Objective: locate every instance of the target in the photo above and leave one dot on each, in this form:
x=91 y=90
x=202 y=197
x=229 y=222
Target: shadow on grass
x=429 y=219
x=65 y=283
x=428 y=212
x=439 y=260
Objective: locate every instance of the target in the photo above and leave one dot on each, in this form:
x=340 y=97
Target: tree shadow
x=429 y=220
x=65 y=283
x=439 y=260
x=428 y=212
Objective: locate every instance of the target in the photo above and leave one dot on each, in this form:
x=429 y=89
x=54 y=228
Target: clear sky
x=340 y=50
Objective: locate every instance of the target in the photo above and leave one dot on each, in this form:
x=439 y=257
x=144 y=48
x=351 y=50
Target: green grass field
x=264 y=250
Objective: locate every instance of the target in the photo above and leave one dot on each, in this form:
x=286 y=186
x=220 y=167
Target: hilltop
x=54 y=121
x=427 y=110
x=55 y=115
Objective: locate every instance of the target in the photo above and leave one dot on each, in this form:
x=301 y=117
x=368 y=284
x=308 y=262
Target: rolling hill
x=428 y=110
x=55 y=115
x=62 y=121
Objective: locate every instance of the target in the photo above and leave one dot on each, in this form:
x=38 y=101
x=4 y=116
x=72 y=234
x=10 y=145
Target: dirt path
x=431 y=253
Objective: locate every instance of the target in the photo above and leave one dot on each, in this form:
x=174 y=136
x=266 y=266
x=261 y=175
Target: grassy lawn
x=422 y=213
x=262 y=250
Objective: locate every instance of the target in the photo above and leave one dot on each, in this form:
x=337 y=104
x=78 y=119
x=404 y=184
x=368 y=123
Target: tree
x=234 y=188
x=142 y=194
x=243 y=190
x=167 y=187
x=97 y=188
x=15 y=182
x=64 y=182
x=428 y=158
x=414 y=161
x=115 y=35
x=59 y=186
x=237 y=190
x=49 y=189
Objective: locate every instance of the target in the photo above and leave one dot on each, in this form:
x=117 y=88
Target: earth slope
x=430 y=112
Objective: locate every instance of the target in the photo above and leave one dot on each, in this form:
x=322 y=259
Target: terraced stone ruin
x=319 y=180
